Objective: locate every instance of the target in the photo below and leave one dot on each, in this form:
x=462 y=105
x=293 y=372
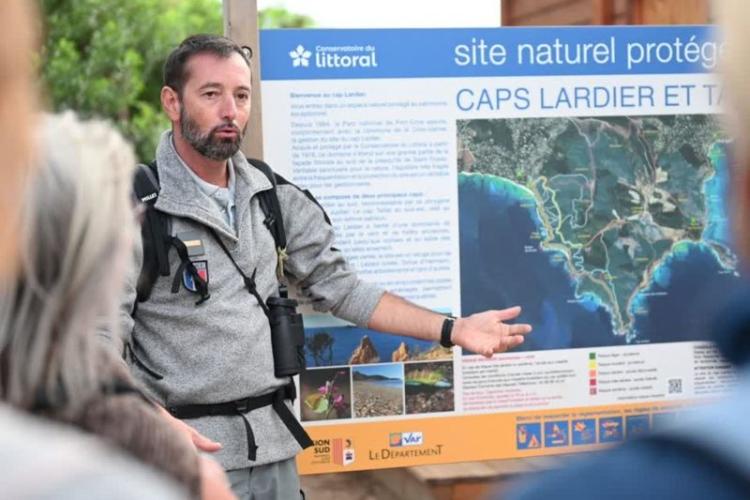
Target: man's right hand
x=201 y=442
x=214 y=482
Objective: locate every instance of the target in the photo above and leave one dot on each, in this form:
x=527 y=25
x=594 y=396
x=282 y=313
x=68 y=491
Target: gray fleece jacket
x=220 y=350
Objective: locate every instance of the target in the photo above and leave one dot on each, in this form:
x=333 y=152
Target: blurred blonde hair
x=77 y=230
x=734 y=19
x=17 y=106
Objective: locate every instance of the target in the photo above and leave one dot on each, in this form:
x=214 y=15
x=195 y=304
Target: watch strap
x=446 y=331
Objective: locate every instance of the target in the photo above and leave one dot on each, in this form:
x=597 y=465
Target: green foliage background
x=104 y=57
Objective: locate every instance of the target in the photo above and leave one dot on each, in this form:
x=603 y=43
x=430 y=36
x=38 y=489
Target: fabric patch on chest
x=201 y=266
x=193 y=243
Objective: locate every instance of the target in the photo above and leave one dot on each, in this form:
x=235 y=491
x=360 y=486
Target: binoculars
x=287 y=336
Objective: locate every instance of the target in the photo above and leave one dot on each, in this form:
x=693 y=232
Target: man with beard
x=210 y=361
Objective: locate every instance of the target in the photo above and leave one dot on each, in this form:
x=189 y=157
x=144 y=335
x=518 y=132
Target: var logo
x=405 y=439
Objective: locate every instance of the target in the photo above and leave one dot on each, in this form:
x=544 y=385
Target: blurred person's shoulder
x=40 y=459
x=647 y=469
x=707 y=455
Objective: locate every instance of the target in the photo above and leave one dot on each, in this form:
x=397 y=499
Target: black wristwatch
x=446 y=331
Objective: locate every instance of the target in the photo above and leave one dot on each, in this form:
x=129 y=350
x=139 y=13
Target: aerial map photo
x=607 y=231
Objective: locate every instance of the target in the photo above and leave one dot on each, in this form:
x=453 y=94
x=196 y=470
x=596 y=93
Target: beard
x=209 y=145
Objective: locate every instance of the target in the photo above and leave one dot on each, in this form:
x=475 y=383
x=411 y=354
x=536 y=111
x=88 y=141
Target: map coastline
x=669 y=210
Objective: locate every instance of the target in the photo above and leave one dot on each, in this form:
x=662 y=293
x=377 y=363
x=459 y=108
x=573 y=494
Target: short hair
x=175 y=68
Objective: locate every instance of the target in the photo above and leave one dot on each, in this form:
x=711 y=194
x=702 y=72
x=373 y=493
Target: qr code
x=675 y=386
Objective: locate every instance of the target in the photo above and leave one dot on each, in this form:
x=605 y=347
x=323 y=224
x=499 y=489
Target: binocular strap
x=248 y=280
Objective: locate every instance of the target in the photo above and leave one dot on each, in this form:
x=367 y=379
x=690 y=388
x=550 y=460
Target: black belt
x=243 y=406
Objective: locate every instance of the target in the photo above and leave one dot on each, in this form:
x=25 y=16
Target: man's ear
x=170 y=102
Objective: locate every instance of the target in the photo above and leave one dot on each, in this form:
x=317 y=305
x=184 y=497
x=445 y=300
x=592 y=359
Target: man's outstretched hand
x=201 y=442
x=487 y=333
x=483 y=333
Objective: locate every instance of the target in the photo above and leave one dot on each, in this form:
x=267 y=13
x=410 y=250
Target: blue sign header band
x=303 y=54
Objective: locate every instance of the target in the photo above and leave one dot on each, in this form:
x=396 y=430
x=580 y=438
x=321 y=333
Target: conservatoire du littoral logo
x=300 y=56
x=335 y=56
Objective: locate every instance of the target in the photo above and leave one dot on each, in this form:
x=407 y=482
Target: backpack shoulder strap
x=146 y=183
x=278 y=180
x=274 y=221
x=269 y=203
x=154 y=231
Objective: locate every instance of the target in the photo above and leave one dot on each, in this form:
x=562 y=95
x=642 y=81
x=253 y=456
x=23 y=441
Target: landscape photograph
x=378 y=390
x=351 y=345
x=429 y=387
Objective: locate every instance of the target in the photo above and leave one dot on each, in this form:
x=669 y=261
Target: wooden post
x=670 y=12
x=241 y=25
x=505 y=12
x=603 y=12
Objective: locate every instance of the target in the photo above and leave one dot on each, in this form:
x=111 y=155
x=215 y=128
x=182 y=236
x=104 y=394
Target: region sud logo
x=339 y=451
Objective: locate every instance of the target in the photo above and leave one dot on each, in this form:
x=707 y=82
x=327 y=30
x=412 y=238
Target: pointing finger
x=511 y=341
x=520 y=329
x=510 y=313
